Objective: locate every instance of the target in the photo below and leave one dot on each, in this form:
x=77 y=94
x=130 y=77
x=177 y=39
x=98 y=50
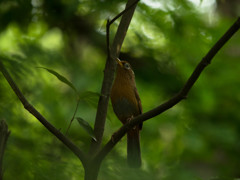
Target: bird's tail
x=133 y=148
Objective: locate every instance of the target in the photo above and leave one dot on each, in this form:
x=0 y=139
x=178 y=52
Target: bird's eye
x=127 y=66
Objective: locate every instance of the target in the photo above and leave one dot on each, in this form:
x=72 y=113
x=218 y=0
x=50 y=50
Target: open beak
x=119 y=62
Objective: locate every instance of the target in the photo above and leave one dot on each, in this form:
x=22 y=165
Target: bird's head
x=123 y=64
x=124 y=68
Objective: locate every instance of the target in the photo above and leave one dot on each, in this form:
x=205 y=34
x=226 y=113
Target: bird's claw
x=129 y=119
x=112 y=138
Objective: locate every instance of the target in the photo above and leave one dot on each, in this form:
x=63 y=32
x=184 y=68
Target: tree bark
x=4 y=134
x=92 y=170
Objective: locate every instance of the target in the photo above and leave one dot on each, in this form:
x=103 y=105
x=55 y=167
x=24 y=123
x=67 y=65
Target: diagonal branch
x=4 y=134
x=78 y=152
x=109 y=23
x=109 y=74
x=174 y=100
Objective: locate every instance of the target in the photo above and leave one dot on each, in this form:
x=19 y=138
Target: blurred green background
x=198 y=139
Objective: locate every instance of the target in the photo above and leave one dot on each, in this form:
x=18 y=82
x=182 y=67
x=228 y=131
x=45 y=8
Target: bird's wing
x=139 y=105
x=138 y=100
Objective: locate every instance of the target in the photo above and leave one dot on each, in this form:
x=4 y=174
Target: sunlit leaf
x=89 y=94
x=61 y=78
x=90 y=98
x=86 y=126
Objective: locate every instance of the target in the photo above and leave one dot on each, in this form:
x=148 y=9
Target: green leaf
x=91 y=98
x=89 y=94
x=61 y=78
x=86 y=126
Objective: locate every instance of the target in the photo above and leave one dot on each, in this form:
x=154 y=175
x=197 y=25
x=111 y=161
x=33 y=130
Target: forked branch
x=109 y=23
x=109 y=71
x=174 y=100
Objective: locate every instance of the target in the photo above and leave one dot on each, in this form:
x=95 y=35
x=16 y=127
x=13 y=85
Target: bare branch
x=121 y=13
x=109 y=23
x=174 y=100
x=109 y=73
x=4 y=134
x=36 y=114
x=108 y=38
x=73 y=117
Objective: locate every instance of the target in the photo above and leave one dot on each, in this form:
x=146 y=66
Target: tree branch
x=73 y=117
x=109 y=73
x=174 y=100
x=4 y=133
x=109 y=23
x=36 y=114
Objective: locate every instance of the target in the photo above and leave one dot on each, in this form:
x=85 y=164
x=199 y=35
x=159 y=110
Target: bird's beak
x=119 y=62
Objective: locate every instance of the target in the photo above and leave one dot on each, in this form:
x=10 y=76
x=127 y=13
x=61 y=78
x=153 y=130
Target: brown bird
x=126 y=105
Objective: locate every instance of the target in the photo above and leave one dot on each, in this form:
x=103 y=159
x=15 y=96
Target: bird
x=126 y=104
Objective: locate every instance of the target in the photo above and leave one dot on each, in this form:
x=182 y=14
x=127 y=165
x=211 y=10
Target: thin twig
x=108 y=38
x=109 y=23
x=116 y=137
x=78 y=152
x=73 y=117
x=121 y=13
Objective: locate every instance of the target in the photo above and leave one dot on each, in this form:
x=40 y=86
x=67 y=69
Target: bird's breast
x=124 y=108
